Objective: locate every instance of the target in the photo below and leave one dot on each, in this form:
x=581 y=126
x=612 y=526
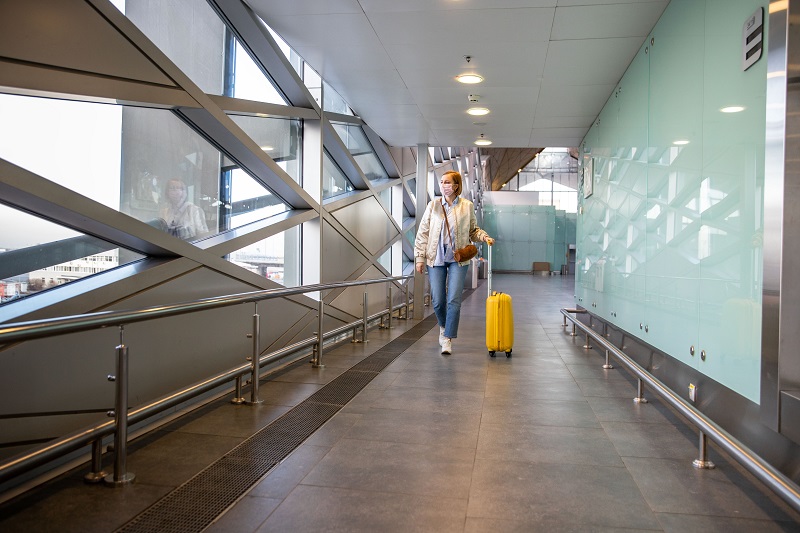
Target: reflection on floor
x=546 y=440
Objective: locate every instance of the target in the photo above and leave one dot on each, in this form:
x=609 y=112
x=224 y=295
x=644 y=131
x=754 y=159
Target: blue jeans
x=447 y=286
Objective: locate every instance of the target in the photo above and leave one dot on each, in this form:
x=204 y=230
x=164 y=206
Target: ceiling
x=548 y=65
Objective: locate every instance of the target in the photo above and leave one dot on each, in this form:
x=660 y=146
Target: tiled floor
x=546 y=440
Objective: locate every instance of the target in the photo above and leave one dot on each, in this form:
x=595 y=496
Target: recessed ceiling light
x=732 y=109
x=478 y=111
x=680 y=142
x=267 y=148
x=469 y=78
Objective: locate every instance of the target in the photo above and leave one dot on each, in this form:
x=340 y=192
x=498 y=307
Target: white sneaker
x=447 y=346
x=441 y=335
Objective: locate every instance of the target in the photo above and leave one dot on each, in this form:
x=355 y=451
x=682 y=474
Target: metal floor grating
x=194 y=505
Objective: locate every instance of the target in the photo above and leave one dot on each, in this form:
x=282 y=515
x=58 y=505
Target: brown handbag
x=464 y=253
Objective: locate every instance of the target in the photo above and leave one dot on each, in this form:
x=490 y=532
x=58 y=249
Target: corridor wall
x=670 y=227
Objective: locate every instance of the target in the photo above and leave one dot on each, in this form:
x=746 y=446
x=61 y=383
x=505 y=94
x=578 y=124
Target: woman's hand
x=421 y=268
x=489 y=241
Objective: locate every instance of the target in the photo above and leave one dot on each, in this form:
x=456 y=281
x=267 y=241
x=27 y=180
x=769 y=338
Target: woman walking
x=447 y=225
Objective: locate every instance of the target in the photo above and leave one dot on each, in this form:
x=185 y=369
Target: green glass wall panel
x=490 y=221
x=504 y=222
x=528 y=233
x=522 y=228
x=540 y=223
x=559 y=241
x=673 y=178
x=671 y=236
x=731 y=200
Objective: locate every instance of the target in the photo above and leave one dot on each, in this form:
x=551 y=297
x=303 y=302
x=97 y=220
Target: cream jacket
x=466 y=229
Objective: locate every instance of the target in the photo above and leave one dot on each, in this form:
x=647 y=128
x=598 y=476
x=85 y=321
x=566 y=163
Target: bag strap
x=447 y=227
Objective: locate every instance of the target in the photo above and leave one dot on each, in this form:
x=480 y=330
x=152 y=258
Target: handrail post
x=608 y=365
x=121 y=476
x=408 y=285
x=97 y=474
x=255 y=362
x=587 y=346
x=402 y=314
x=702 y=458
x=391 y=307
x=238 y=399
x=388 y=320
x=364 y=323
x=640 y=392
x=316 y=358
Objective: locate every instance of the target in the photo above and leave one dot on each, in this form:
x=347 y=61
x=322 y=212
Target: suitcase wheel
x=508 y=353
x=491 y=353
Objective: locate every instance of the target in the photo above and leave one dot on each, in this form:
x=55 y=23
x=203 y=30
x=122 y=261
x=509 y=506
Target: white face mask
x=447 y=190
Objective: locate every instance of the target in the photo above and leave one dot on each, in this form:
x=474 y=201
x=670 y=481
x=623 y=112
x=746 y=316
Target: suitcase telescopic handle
x=489 y=274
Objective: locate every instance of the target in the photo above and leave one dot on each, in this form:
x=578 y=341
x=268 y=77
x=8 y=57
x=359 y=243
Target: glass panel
x=83 y=145
x=412 y=188
x=627 y=193
x=674 y=180
x=198 y=42
x=675 y=218
x=566 y=201
x=276 y=258
x=143 y=162
x=334 y=182
x=333 y=102
x=46 y=255
x=385 y=260
x=288 y=51
x=553 y=174
x=249 y=81
x=731 y=199
x=281 y=139
x=313 y=82
x=411 y=235
x=356 y=141
x=386 y=198
x=249 y=200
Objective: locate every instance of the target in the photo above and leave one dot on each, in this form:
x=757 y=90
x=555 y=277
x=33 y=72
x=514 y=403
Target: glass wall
x=334 y=181
x=671 y=226
x=142 y=162
x=281 y=139
x=276 y=258
x=333 y=102
x=36 y=254
x=553 y=176
x=192 y=35
x=146 y=162
x=356 y=141
x=527 y=234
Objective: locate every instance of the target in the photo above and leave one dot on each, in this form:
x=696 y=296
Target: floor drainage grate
x=195 y=504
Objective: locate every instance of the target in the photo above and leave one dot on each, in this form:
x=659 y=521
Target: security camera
x=473 y=97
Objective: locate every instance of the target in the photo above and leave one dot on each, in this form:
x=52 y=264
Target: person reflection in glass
x=182 y=218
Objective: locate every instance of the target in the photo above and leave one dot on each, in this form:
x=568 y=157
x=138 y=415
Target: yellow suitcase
x=499 y=318
x=499 y=323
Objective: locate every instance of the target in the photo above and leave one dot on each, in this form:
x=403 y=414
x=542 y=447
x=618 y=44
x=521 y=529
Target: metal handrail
x=765 y=472
x=52 y=327
x=36 y=329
